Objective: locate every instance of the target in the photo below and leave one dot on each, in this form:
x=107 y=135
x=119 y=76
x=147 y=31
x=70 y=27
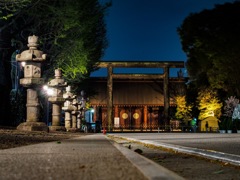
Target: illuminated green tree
x=72 y=33
x=208 y=104
x=183 y=109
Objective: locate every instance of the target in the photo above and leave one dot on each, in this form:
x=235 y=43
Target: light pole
x=47 y=92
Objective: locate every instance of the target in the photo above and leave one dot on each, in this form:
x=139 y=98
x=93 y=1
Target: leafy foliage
x=9 y=8
x=211 y=41
x=229 y=106
x=183 y=110
x=71 y=32
x=236 y=112
x=208 y=104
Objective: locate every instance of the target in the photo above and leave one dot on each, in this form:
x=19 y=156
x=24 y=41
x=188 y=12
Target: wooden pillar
x=116 y=111
x=166 y=94
x=95 y=113
x=116 y=115
x=145 y=111
x=109 y=97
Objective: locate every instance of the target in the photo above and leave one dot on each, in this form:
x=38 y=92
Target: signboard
x=116 y=122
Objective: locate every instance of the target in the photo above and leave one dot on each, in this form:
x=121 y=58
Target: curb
x=150 y=169
x=209 y=154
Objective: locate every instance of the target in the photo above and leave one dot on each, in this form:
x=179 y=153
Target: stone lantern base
x=73 y=130
x=33 y=126
x=56 y=128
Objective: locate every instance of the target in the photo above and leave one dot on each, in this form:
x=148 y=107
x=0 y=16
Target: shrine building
x=135 y=101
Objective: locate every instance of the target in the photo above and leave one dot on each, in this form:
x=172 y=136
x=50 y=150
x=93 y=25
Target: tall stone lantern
x=74 y=114
x=57 y=100
x=68 y=107
x=32 y=79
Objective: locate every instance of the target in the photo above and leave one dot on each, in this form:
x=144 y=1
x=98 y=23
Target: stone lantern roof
x=33 y=54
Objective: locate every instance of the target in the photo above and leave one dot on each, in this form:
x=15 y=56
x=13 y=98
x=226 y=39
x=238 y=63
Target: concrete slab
x=87 y=158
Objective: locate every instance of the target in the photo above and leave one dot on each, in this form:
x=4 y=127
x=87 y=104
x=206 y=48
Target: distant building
x=137 y=103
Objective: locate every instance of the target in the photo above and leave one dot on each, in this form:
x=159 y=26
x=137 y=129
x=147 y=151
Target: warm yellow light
x=23 y=64
x=45 y=87
x=50 y=92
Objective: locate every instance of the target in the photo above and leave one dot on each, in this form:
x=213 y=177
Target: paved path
x=223 y=147
x=88 y=157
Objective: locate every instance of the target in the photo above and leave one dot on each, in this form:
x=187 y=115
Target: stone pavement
x=88 y=157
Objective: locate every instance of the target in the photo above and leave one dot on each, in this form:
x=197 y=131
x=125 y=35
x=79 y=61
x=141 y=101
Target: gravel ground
x=10 y=138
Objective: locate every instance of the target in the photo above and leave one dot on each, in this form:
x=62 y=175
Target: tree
x=208 y=104
x=211 y=41
x=183 y=109
x=72 y=32
x=10 y=8
x=229 y=106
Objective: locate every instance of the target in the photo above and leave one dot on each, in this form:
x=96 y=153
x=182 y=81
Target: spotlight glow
x=23 y=64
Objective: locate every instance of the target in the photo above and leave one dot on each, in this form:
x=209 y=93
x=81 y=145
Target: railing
x=150 y=128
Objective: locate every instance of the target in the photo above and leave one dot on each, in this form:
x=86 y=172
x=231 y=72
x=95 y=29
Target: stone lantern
x=79 y=117
x=74 y=113
x=81 y=108
x=68 y=107
x=57 y=100
x=32 y=79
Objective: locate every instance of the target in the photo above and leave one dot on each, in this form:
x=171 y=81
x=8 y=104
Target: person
x=85 y=129
x=206 y=125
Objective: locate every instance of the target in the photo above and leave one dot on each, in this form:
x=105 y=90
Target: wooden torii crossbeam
x=138 y=64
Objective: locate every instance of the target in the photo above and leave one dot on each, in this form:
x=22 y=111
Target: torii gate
x=136 y=64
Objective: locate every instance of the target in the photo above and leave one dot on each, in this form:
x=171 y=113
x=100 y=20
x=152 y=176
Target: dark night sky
x=146 y=30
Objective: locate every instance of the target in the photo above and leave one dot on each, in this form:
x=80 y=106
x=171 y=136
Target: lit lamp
x=48 y=90
x=23 y=63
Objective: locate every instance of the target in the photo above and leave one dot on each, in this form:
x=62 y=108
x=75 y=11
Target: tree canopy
x=183 y=109
x=71 y=32
x=211 y=41
x=229 y=106
x=208 y=104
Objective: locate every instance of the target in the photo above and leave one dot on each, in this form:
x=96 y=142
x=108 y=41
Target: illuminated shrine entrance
x=127 y=115
x=133 y=118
